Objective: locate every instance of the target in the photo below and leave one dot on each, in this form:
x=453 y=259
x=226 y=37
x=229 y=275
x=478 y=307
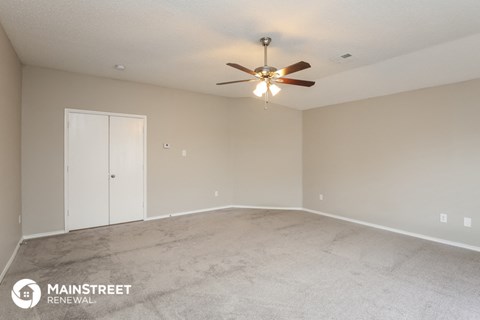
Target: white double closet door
x=105 y=169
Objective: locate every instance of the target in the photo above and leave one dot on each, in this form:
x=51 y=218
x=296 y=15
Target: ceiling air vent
x=344 y=58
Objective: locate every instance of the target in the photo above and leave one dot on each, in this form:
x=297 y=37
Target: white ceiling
x=397 y=45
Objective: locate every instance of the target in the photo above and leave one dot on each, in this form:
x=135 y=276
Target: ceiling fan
x=269 y=76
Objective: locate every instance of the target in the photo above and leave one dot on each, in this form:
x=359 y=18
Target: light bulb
x=260 y=89
x=274 y=89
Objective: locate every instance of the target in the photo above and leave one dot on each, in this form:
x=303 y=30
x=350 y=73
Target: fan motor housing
x=266 y=71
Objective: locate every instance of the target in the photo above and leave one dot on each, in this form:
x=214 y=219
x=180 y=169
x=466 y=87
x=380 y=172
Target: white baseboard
x=176 y=214
x=373 y=225
x=407 y=233
x=266 y=208
x=4 y=272
x=42 y=235
x=219 y=208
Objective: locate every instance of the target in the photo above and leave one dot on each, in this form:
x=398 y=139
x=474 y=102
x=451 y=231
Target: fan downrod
x=265 y=71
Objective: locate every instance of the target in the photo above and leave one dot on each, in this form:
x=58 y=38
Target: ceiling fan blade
x=236 y=81
x=293 y=68
x=242 y=68
x=304 y=83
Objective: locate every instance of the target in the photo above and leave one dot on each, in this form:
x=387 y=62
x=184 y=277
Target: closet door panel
x=88 y=162
x=126 y=169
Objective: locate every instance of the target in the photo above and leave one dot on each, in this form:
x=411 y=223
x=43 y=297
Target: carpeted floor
x=249 y=264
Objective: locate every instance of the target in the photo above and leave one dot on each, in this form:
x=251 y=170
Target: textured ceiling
x=397 y=45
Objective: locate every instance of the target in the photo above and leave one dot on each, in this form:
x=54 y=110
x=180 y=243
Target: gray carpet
x=250 y=264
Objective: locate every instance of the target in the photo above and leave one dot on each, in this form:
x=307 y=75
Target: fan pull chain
x=266 y=101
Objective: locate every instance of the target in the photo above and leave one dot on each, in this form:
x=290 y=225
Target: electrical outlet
x=216 y=193
x=19 y=219
x=467 y=222
x=320 y=197
x=443 y=218
x=184 y=153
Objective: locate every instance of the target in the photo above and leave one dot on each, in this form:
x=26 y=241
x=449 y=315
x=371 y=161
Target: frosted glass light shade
x=274 y=89
x=260 y=89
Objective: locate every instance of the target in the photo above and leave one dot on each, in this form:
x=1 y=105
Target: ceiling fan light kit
x=269 y=76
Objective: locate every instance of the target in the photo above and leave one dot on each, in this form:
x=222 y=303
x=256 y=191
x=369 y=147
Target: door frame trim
x=66 y=160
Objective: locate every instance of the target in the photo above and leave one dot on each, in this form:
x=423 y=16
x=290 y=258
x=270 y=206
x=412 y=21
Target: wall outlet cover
x=443 y=218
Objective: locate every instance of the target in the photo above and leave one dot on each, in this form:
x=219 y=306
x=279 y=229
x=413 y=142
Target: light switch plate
x=467 y=222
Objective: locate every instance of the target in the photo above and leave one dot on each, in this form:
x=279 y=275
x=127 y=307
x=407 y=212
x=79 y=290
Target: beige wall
x=234 y=146
x=399 y=160
x=266 y=154
x=10 y=110
x=195 y=122
x=396 y=161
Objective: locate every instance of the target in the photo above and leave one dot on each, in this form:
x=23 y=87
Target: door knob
x=112 y=176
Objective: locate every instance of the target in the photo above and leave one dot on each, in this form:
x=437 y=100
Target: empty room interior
x=240 y=159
